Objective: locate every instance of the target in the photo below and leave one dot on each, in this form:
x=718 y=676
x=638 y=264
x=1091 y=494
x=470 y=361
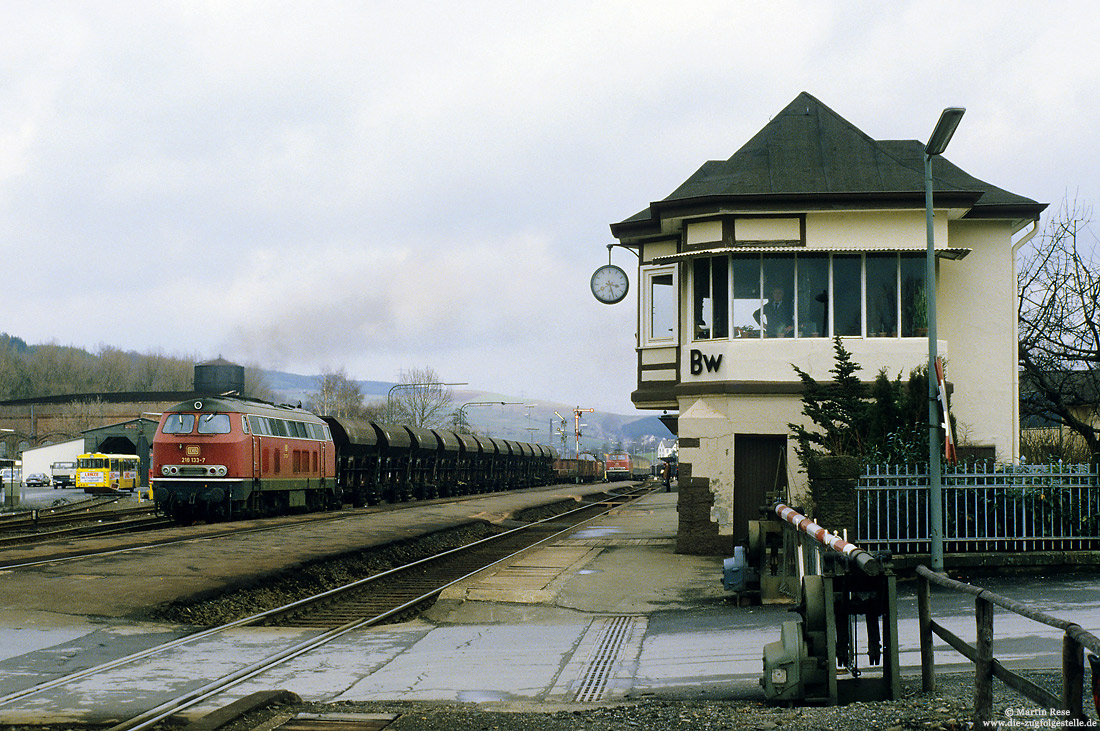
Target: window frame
x=647 y=274
x=856 y=302
x=703 y=309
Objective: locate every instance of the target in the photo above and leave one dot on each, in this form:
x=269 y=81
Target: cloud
x=382 y=185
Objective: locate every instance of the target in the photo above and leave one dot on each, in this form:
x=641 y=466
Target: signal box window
x=178 y=424
x=847 y=295
x=813 y=295
x=659 y=306
x=914 y=313
x=882 y=295
x=776 y=314
x=710 y=282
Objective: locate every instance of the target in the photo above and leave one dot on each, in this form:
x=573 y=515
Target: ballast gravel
x=949 y=708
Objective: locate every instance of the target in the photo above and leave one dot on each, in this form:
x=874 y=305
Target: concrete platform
x=605 y=615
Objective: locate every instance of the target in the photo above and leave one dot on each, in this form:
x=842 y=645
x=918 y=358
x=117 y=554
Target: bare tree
x=114 y=369
x=255 y=383
x=337 y=395
x=1059 y=285
x=420 y=399
x=78 y=416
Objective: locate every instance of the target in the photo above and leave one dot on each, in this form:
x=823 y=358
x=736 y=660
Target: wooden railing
x=986 y=667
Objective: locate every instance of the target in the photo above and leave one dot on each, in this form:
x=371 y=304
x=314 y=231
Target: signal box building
x=814 y=230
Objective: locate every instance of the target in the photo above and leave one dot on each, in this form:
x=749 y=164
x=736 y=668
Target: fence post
x=924 y=618
x=1073 y=676
x=983 y=663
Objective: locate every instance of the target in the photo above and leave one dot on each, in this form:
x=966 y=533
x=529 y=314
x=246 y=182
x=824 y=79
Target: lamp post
x=937 y=143
x=462 y=408
x=389 y=394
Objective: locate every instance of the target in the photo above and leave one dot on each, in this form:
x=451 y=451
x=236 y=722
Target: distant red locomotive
x=216 y=457
x=618 y=466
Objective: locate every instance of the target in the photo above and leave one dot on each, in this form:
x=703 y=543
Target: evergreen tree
x=886 y=423
x=836 y=408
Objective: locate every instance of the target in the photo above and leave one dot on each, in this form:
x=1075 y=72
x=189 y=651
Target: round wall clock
x=610 y=284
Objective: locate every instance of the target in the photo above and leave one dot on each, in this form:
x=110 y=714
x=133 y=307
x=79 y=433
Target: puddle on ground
x=479 y=696
x=596 y=532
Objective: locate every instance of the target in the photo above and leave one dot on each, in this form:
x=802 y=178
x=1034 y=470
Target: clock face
x=609 y=284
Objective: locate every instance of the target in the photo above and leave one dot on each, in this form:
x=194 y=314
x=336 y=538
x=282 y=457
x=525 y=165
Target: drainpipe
x=1016 y=381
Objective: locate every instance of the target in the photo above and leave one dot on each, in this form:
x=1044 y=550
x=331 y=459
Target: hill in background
x=526 y=419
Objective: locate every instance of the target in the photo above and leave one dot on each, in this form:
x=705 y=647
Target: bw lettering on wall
x=700 y=360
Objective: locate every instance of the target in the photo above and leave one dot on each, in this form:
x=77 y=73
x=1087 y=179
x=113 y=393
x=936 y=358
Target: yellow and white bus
x=105 y=473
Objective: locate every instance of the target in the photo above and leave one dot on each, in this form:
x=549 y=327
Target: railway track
x=92 y=517
x=356 y=605
x=207 y=531
x=403 y=590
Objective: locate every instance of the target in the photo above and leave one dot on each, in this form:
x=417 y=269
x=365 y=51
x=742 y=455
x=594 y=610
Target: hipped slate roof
x=808 y=156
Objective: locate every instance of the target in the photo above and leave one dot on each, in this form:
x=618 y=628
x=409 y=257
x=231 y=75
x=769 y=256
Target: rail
x=165 y=710
x=986 y=667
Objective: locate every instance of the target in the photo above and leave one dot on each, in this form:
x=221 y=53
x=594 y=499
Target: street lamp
x=462 y=408
x=389 y=394
x=937 y=143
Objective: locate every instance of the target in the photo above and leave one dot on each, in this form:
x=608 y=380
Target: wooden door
x=759 y=468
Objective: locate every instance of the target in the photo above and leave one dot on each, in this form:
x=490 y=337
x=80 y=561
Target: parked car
x=37 y=479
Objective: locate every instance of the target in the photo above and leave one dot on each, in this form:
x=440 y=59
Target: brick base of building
x=697 y=534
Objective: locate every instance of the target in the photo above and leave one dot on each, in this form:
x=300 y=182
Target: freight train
x=223 y=458
x=585 y=468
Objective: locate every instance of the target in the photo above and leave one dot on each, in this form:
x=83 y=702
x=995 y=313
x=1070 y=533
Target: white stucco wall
x=714 y=421
x=868 y=229
x=977 y=315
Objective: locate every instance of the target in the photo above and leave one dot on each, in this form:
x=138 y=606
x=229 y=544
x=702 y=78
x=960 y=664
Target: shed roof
x=808 y=156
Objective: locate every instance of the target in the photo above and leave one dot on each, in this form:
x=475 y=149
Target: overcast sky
x=380 y=186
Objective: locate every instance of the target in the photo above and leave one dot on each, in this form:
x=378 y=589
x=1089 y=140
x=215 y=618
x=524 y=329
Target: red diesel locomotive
x=225 y=457
x=217 y=456
x=619 y=466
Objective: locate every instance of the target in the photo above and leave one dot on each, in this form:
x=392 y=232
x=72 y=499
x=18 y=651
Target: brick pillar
x=696 y=533
x=833 y=483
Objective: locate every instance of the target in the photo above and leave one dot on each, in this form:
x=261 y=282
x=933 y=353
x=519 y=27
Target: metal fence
x=986 y=507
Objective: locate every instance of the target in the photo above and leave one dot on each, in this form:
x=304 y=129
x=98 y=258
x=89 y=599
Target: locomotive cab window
x=214 y=424
x=178 y=424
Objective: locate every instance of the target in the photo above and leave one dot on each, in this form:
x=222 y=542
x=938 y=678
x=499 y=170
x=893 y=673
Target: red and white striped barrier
x=864 y=560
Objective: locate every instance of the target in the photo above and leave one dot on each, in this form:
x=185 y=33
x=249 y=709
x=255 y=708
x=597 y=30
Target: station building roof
x=808 y=157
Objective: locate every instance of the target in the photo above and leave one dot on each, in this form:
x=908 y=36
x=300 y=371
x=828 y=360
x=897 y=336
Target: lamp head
x=945 y=128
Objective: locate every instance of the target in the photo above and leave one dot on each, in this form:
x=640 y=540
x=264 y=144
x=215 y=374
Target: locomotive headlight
x=165 y=470
x=222 y=471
